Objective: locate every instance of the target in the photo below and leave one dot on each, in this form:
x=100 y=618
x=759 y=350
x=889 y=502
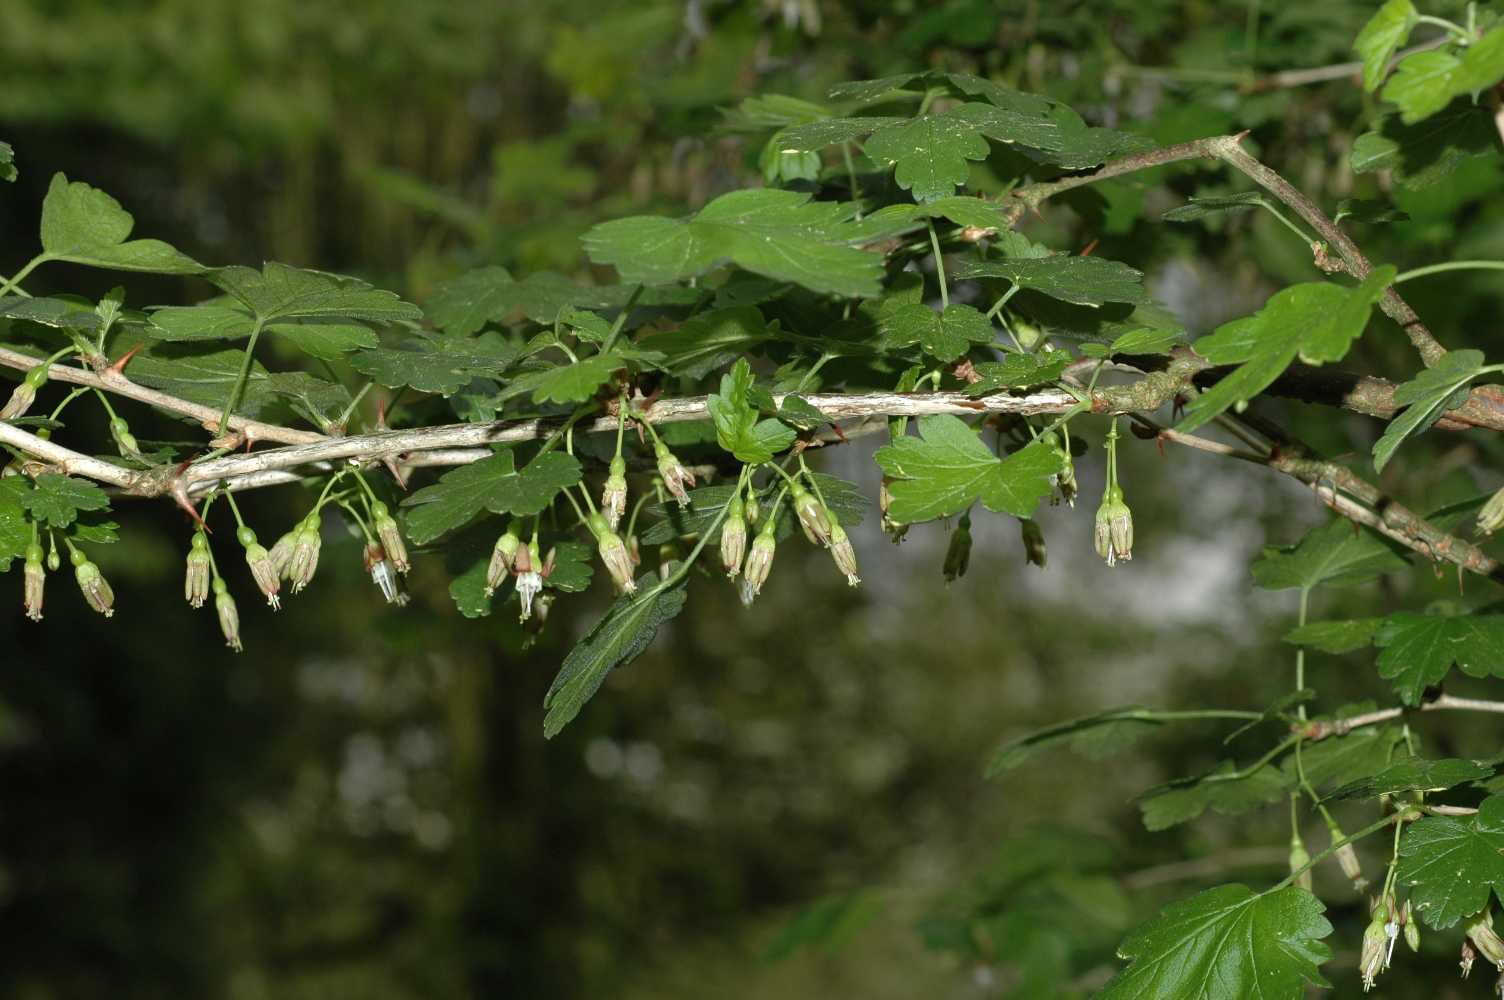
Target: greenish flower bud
x=734 y=536
x=1299 y=858
x=958 y=552
x=813 y=517
x=24 y=394
x=125 y=441
x=759 y=560
x=1371 y=956
x=35 y=582
x=1347 y=858
x=675 y=476
x=1412 y=928
x=1033 y=539
x=1480 y=931
x=1491 y=517
x=93 y=585
x=390 y=536
x=196 y=579
x=842 y=551
x=503 y=558
x=617 y=560
x=263 y=570
x=1113 y=528
x=305 y=552
x=614 y=495
x=54 y=561
x=754 y=509
x=229 y=617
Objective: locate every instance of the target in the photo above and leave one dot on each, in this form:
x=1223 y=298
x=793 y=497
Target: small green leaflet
x=493 y=484
x=1019 y=371
x=737 y=426
x=568 y=383
x=1098 y=736
x=615 y=640
x=83 y=225
x=1414 y=774
x=1213 y=205
x=1453 y=864
x=1426 y=397
x=943 y=335
x=280 y=292
x=463 y=305
x=15 y=531
x=1185 y=799
x=778 y=234
x=813 y=136
x=1227 y=943
x=1335 y=636
x=1337 y=554
x=1426 y=82
x=1419 y=650
x=7 y=162
x=706 y=342
x=58 y=499
x=1381 y=37
x=1340 y=760
x=1317 y=321
x=1423 y=154
x=226 y=320
x=1087 y=281
x=929 y=153
x=437 y=364
x=947 y=468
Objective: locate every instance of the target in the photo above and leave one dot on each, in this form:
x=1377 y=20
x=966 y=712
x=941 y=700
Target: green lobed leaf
x=569 y=383
x=943 y=335
x=1425 y=398
x=813 y=136
x=225 y=319
x=929 y=154
x=280 y=292
x=1227 y=943
x=493 y=484
x=778 y=234
x=1453 y=864
x=83 y=225
x=15 y=530
x=464 y=304
x=57 y=499
x=1087 y=281
x=323 y=400
x=706 y=342
x=1381 y=37
x=963 y=211
x=1419 y=650
x=1337 y=554
x=1427 y=152
x=436 y=364
x=1335 y=636
x=1019 y=371
x=1422 y=84
x=737 y=427
x=1185 y=799
x=947 y=469
x=1414 y=774
x=615 y=641
x=1121 y=727
x=1317 y=321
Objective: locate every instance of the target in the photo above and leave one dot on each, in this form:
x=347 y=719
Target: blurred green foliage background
x=362 y=803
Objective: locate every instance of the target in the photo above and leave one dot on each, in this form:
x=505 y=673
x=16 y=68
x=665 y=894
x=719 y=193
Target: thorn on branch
x=118 y=367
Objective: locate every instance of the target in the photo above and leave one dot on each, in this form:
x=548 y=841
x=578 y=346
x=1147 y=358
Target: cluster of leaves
x=866 y=264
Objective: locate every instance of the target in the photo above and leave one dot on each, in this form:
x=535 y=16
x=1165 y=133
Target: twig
x=65 y=460
x=113 y=381
x=1321 y=729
